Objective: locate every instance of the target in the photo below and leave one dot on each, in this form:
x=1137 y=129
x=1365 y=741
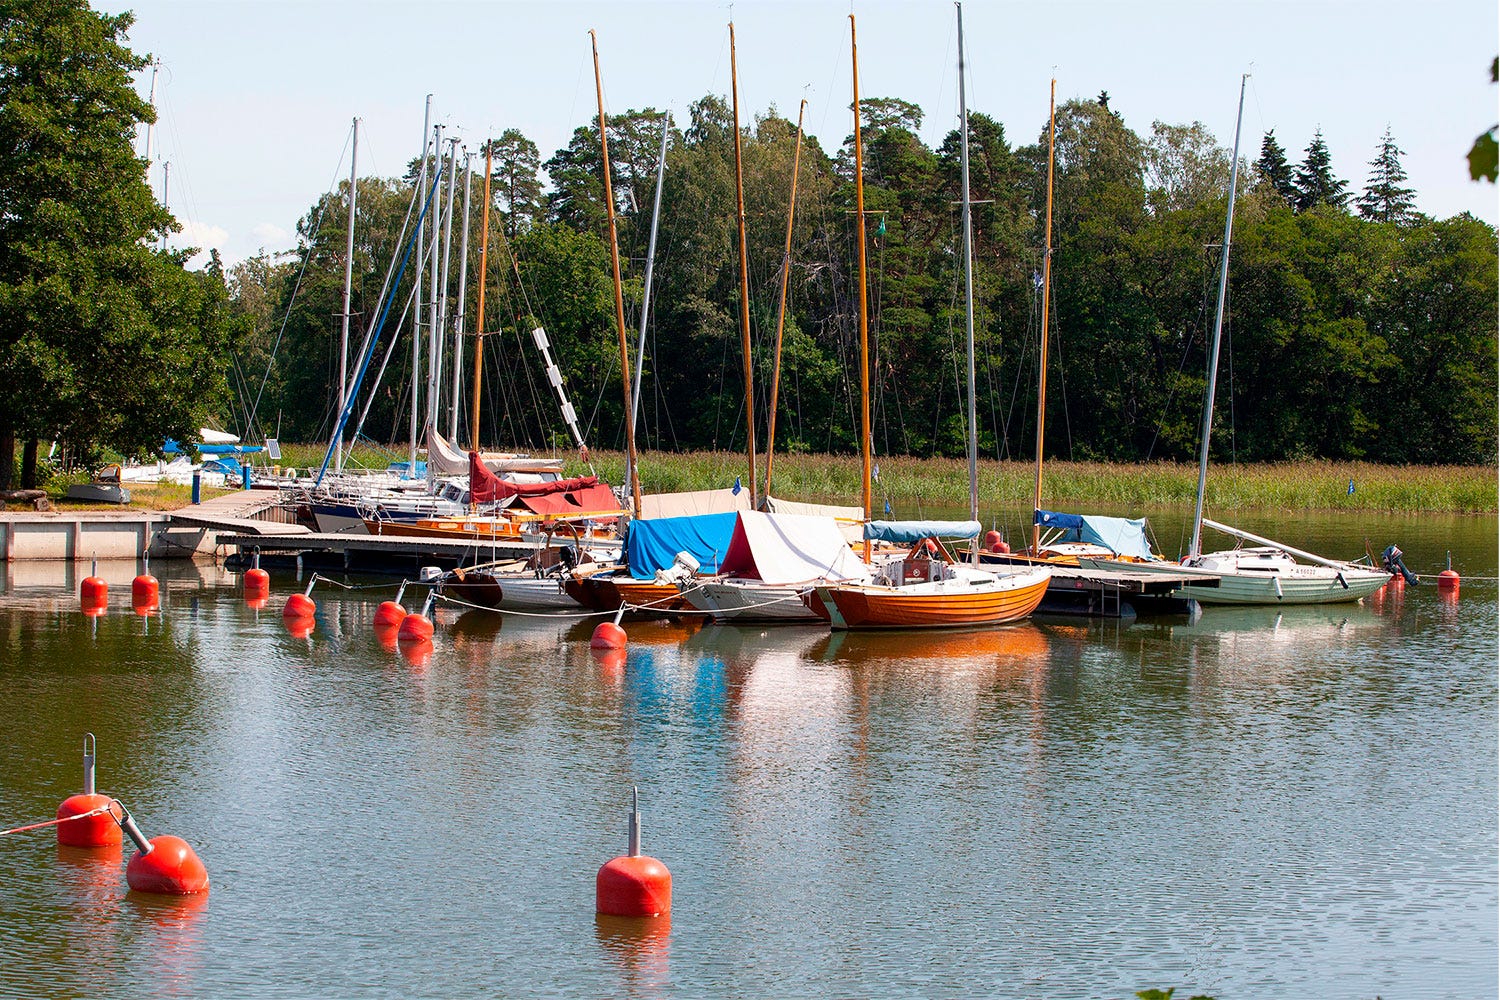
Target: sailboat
x=929 y=587
x=1268 y=573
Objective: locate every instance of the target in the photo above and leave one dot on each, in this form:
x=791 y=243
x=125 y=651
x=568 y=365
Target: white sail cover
x=210 y=436
x=851 y=519
x=695 y=502
x=790 y=549
x=446 y=460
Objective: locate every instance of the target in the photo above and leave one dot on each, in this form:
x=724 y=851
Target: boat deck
x=322 y=550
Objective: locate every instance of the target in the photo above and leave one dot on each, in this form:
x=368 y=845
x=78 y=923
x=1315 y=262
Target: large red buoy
x=95 y=827
x=390 y=613
x=633 y=885
x=416 y=626
x=93 y=593
x=145 y=591
x=301 y=605
x=608 y=635
x=995 y=542
x=257 y=581
x=165 y=865
x=1448 y=578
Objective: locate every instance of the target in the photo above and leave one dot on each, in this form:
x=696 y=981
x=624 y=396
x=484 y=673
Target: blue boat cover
x=653 y=544
x=908 y=532
x=225 y=464
x=227 y=449
x=1124 y=536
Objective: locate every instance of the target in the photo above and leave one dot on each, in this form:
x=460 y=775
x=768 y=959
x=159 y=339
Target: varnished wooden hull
x=950 y=604
x=608 y=592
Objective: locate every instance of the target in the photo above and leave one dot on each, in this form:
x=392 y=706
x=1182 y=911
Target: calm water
x=1262 y=803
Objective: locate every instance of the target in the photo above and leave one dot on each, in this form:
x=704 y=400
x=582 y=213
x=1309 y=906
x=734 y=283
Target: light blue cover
x=908 y=532
x=227 y=449
x=1125 y=535
x=653 y=543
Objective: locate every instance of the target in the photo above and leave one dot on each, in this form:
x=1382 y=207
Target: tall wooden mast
x=786 y=269
x=484 y=250
x=739 y=198
x=1041 y=384
x=864 y=314
x=614 y=260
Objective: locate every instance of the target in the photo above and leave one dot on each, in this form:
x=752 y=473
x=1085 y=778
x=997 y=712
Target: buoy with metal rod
x=165 y=865
x=609 y=635
x=88 y=820
x=301 y=605
x=145 y=591
x=257 y=581
x=392 y=612
x=995 y=542
x=633 y=885
x=93 y=593
x=417 y=626
x=1448 y=578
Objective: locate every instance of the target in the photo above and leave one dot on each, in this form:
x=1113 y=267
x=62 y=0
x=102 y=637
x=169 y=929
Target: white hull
x=534 y=594
x=1245 y=577
x=749 y=600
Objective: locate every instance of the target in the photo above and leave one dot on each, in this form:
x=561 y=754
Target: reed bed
x=912 y=485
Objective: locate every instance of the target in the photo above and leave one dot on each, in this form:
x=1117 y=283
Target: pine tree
x=1385 y=198
x=1316 y=184
x=1275 y=170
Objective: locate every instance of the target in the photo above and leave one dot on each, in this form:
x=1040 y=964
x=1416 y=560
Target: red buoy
x=995 y=542
x=389 y=613
x=96 y=828
x=415 y=627
x=608 y=635
x=1448 y=578
x=169 y=867
x=93 y=592
x=145 y=591
x=257 y=581
x=633 y=885
x=165 y=865
x=299 y=606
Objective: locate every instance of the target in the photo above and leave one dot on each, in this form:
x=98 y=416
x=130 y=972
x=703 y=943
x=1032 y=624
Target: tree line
x=1356 y=326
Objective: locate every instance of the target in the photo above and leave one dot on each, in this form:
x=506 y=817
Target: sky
x=255 y=99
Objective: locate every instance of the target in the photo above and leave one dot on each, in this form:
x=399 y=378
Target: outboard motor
x=1391 y=558
x=568 y=557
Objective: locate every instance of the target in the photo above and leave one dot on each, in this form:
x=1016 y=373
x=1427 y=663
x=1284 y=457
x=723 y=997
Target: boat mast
x=864 y=315
x=434 y=320
x=1041 y=380
x=463 y=288
x=640 y=342
x=440 y=332
x=338 y=442
x=416 y=312
x=614 y=259
x=786 y=268
x=739 y=198
x=967 y=213
x=1195 y=547
x=484 y=250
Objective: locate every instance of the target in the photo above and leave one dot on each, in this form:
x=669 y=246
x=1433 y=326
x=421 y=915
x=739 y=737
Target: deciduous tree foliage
x=1346 y=336
x=104 y=340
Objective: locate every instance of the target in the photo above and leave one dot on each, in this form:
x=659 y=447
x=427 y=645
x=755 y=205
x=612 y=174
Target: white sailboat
x=1268 y=573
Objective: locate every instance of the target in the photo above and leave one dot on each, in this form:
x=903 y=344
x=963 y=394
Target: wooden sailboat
x=1268 y=573
x=928 y=588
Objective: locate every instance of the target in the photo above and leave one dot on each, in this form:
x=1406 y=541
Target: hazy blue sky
x=256 y=98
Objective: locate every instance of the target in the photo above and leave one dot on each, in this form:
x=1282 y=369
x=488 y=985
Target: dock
x=1118 y=593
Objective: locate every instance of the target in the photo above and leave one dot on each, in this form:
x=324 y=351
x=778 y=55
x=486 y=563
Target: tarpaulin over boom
x=485 y=486
x=653 y=543
x=1123 y=535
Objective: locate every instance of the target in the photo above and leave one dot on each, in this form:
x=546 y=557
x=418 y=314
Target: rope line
x=67 y=819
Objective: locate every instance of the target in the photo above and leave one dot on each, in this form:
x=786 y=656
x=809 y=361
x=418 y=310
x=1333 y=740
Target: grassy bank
x=911 y=484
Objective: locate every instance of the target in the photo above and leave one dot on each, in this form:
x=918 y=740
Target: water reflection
x=639 y=948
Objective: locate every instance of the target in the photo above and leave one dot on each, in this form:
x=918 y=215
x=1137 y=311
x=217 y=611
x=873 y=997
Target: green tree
x=1484 y=155
x=1316 y=184
x=1274 y=169
x=1386 y=197
x=1185 y=166
x=515 y=185
x=103 y=340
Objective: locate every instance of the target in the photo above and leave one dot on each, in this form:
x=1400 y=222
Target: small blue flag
x=887 y=506
x=1351 y=487
x=737 y=486
x=1036 y=280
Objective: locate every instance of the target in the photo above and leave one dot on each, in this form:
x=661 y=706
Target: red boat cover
x=485 y=486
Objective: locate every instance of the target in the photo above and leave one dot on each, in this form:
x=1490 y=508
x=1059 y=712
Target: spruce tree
x=1316 y=184
x=1386 y=199
x=1275 y=169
